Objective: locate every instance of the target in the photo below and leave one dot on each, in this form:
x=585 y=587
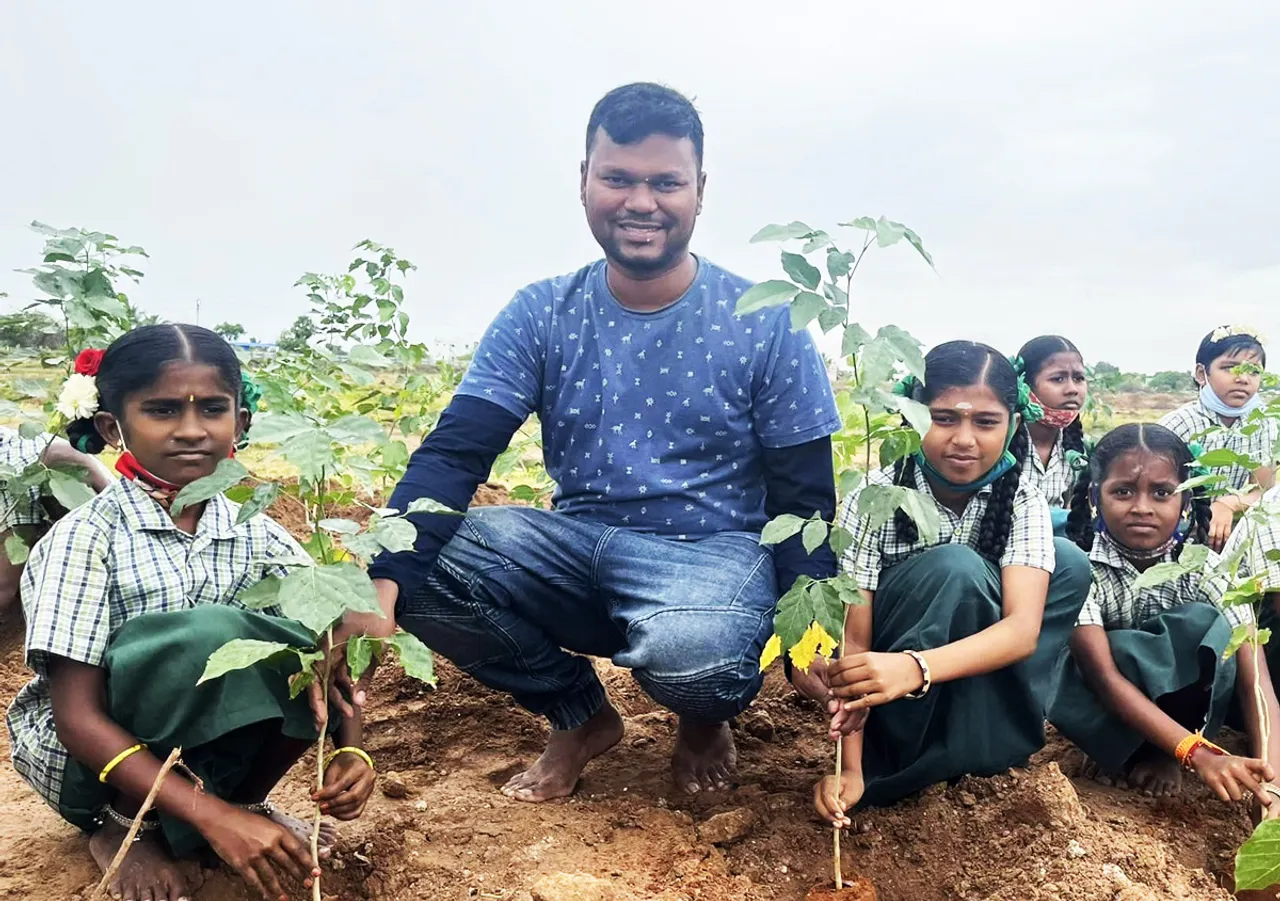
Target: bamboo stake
x=125 y=845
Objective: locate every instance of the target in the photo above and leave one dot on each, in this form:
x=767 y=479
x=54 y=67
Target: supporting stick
x=125 y=845
x=835 y=834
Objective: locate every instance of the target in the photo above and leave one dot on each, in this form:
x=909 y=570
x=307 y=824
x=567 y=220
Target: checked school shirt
x=1055 y=480
x=1114 y=604
x=1030 y=534
x=1265 y=537
x=1190 y=421
x=117 y=557
x=20 y=506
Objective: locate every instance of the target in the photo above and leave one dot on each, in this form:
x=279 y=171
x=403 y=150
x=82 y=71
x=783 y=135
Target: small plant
x=810 y=619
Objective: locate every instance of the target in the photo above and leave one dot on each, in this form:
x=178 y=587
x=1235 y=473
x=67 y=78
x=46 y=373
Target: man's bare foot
x=148 y=872
x=555 y=774
x=1155 y=774
x=705 y=758
x=302 y=829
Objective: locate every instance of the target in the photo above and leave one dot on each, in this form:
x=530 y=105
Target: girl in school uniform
x=1228 y=369
x=1144 y=687
x=24 y=512
x=1054 y=371
x=125 y=602
x=948 y=663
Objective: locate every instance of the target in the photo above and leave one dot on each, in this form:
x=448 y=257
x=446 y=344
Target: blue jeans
x=517 y=589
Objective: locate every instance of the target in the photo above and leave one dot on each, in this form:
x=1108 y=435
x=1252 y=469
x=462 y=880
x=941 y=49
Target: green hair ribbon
x=1019 y=365
x=1197 y=451
x=250 y=397
x=1077 y=461
x=906 y=385
x=1030 y=410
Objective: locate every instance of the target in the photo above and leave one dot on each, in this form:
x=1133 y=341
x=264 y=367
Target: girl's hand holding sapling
x=348 y=784
x=870 y=679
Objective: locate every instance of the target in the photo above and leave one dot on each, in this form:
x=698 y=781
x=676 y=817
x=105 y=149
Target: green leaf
x=850 y=596
x=817 y=240
x=312 y=452
x=30 y=429
x=33 y=388
x=396 y=535
x=1161 y=573
x=1273 y=555
x=361 y=649
x=1224 y=456
x=339 y=526
x=364 y=546
x=264 y=495
x=16 y=549
x=801 y=271
x=319 y=596
x=229 y=472
x=795 y=612
x=814 y=535
x=241 y=653
x=914 y=412
x=430 y=505
x=906 y=347
x=804 y=308
x=855 y=336
x=1194 y=556
x=771 y=293
x=878 y=359
x=355 y=429
x=414 y=656
x=915 y=242
x=363 y=355
x=828 y=609
x=261 y=595
x=783 y=232
x=898 y=444
x=878 y=503
x=274 y=428
x=1258 y=860
x=300 y=682
x=866 y=223
x=830 y=318
x=888 y=232
x=1213 y=479
x=781 y=528
x=839 y=263
x=924 y=513
x=1239 y=635
x=70 y=491
x=841 y=540
x=362 y=377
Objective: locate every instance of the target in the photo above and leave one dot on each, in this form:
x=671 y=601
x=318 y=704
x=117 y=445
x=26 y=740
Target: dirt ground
x=440 y=830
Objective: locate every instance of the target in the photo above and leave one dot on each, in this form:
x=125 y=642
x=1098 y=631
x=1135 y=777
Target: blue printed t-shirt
x=655 y=421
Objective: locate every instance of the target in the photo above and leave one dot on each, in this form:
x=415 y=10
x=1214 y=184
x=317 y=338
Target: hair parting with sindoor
x=1035 y=353
x=1155 y=439
x=959 y=364
x=136 y=359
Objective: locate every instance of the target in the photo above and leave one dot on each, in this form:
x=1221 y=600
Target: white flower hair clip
x=79 y=397
x=1230 y=331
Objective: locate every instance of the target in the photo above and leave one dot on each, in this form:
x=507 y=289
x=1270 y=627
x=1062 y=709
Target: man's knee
x=703 y=663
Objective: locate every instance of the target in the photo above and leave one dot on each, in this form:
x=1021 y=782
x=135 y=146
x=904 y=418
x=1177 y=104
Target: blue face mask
x=1006 y=462
x=1214 y=404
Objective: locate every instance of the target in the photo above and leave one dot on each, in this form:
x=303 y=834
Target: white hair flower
x=1231 y=331
x=79 y=397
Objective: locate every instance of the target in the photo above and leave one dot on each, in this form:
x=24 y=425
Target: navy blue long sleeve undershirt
x=457 y=456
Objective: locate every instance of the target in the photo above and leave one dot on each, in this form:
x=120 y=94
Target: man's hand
x=348 y=783
x=870 y=679
x=344 y=694
x=1220 y=525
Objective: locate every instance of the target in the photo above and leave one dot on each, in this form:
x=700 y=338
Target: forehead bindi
x=971 y=400
x=656 y=155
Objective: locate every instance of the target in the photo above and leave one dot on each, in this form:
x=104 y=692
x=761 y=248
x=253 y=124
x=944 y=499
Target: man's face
x=642 y=200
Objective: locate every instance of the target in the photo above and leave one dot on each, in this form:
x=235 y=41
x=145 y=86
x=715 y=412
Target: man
x=673 y=429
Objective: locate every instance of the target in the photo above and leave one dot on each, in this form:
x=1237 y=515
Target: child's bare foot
x=148 y=872
x=1091 y=769
x=555 y=774
x=1155 y=774
x=302 y=829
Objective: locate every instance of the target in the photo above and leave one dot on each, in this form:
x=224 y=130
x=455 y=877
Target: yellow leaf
x=772 y=650
x=815 y=641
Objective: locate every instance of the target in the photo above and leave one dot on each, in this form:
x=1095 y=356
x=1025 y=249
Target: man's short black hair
x=633 y=112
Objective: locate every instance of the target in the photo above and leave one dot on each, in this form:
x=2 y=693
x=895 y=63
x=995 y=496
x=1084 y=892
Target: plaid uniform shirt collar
x=1108 y=553
x=922 y=483
x=142 y=514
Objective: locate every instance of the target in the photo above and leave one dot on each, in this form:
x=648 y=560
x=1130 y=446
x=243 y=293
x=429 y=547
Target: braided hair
x=959 y=364
x=1035 y=353
x=1154 y=439
x=135 y=360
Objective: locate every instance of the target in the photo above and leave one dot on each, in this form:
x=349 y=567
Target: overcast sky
x=1102 y=169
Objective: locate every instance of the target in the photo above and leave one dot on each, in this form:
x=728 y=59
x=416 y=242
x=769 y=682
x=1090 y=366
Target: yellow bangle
x=117 y=760
x=359 y=752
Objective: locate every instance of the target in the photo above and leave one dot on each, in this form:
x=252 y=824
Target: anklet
x=120 y=819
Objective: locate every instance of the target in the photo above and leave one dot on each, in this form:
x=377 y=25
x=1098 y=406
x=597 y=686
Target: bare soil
x=439 y=829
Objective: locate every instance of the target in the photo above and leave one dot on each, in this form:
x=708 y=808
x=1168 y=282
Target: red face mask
x=158 y=489
x=1058 y=419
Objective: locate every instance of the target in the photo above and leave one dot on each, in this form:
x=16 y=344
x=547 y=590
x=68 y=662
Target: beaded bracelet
x=925 y=674
x=1192 y=743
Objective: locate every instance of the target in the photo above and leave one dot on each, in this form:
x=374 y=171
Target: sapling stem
x=136 y=825
x=835 y=833
x=324 y=726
